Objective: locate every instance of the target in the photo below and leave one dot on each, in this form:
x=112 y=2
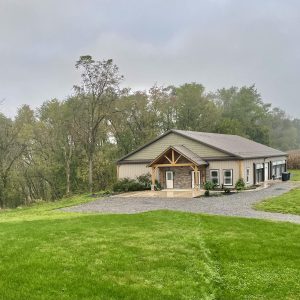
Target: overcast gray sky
x=218 y=43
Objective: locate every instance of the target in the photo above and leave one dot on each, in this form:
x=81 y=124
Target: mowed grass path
x=50 y=254
x=286 y=203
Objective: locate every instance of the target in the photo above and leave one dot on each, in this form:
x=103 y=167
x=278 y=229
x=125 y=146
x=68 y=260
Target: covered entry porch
x=178 y=168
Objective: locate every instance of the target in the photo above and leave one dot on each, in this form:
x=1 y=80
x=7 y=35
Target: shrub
x=240 y=185
x=145 y=179
x=129 y=185
x=158 y=186
x=208 y=186
x=227 y=191
x=206 y=193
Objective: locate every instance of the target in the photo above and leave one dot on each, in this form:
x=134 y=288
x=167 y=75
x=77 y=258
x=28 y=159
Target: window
x=279 y=171
x=259 y=175
x=214 y=176
x=169 y=175
x=248 y=175
x=278 y=168
x=274 y=171
x=228 y=177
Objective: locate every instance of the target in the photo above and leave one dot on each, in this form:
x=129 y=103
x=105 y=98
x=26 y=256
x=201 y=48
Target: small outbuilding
x=181 y=159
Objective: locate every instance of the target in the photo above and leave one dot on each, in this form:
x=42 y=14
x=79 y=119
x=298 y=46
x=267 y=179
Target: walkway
x=239 y=205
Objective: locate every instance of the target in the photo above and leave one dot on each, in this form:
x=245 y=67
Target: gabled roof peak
x=183 y=151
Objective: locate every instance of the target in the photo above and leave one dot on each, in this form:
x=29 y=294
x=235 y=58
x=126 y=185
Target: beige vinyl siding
x=224 y=165
x=132 y=170
x=249 y=164
x=156 y=148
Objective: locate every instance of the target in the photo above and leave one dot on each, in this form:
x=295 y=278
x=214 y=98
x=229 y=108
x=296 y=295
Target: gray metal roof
x=234 y=144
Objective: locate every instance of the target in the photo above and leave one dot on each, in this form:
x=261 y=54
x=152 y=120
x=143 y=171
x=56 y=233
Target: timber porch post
x=196 y=179
x=153 y=179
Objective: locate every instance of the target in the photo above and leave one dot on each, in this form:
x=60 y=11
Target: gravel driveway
x=232 y=205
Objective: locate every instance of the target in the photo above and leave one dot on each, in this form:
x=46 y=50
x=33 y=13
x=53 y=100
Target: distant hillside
x=294 y=159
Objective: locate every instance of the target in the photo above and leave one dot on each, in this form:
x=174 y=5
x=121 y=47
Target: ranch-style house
x=181 y=159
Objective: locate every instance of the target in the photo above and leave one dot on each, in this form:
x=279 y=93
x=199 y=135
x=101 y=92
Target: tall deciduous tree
x=58 y=124
x=244 y=109
x=12 y=146
x=194 y=108
x=95 y=96
x=136 y=124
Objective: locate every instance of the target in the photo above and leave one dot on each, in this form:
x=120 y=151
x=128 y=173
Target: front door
x=169 y=180
x=193 y=179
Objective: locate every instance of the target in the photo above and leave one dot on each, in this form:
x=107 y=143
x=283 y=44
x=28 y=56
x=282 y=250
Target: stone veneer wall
x=182 y=177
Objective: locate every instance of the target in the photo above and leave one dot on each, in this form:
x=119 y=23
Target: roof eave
x=264 y=156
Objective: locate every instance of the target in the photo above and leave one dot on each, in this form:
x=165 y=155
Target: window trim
x=231 y=171
x=247 y=175
x=215 y=170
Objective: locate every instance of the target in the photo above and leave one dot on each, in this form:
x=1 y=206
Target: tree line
x=71 y=146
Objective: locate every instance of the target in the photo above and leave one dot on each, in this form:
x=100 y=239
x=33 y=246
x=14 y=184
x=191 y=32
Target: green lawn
x=49 y=254
x=295 y=175
x=286 y=203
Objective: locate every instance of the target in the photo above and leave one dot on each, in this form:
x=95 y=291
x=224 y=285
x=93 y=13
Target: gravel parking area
x=239 y=205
